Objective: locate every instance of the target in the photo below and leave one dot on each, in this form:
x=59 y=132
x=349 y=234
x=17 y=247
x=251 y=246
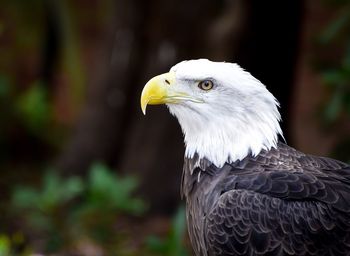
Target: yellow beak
x=159 y=90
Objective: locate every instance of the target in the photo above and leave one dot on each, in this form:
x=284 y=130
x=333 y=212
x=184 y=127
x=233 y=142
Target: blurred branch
x=71 y=51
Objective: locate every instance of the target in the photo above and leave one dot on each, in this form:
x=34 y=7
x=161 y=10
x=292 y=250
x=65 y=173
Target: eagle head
x=224 y=112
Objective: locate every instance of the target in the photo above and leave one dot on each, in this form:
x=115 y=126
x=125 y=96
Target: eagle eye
x=206 y=85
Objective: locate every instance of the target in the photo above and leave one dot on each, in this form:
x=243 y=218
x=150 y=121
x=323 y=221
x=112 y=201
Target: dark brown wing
x=282 y=202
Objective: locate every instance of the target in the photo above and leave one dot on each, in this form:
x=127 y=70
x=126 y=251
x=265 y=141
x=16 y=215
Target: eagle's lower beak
x=159 y=90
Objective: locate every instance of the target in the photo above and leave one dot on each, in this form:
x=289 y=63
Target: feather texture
x=280 y=202
x=237 y=117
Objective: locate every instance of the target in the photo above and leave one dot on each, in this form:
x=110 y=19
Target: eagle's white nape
x=238 y=117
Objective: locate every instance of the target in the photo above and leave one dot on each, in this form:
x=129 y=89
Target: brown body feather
x=281 y=202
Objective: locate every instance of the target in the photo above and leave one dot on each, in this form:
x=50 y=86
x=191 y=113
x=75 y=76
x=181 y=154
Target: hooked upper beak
x=159 y=90
x=163 y=89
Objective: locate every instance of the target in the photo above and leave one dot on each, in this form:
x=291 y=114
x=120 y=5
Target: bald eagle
x=247 y=192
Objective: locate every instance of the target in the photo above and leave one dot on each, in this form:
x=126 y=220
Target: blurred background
x=82 y=171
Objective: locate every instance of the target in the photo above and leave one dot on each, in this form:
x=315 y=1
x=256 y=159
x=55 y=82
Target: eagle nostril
x=167 y=81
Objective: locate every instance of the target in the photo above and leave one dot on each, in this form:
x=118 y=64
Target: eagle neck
x=230 y=140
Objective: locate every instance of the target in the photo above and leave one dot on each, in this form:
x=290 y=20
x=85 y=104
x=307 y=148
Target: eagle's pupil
x=206 y=85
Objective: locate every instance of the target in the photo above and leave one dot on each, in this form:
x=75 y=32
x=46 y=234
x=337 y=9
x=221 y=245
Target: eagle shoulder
x=280 y=202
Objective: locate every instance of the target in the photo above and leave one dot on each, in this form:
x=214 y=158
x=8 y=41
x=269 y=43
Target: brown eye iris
x=206 y=85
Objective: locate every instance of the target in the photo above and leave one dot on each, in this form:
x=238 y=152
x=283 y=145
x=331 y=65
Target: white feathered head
x=224 y=112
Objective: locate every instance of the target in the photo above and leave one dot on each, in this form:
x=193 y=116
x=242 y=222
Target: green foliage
x=44 y=205
x=113 y=192
x=9 y=245
x=25 y=118
x=41 y=59
x=66 y=210
x=335 y=72
x=31 y=108
x=173 y=244
x=4 y=87
x=34 y=108
x=337 y=76
x=5 y=245
x=54 y=192
x=335 y=28
x=338 y=81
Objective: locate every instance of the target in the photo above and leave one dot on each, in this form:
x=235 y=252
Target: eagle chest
x=200 y=195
